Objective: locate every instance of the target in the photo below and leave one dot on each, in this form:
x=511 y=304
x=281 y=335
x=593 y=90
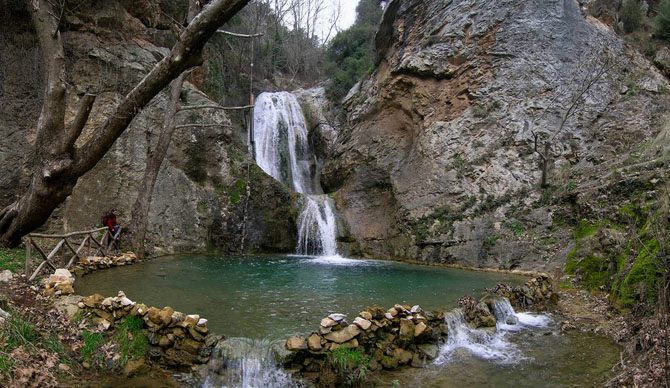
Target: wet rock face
x=439 y=146
x=200 y=195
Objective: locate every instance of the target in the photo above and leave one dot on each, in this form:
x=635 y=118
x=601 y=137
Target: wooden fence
x=88 y=246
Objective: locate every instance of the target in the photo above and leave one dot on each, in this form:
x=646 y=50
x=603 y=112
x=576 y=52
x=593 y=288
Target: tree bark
x=59 y=165
x=138 y=225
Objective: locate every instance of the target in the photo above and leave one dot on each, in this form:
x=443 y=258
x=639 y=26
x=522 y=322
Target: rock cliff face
x=200 y=197
x=437 y=162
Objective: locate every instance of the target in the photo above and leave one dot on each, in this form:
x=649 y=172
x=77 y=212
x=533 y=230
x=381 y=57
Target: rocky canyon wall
x=436 y=161
x=199 y=199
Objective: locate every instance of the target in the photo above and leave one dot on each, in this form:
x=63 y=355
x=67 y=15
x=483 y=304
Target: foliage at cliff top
x=351 y=52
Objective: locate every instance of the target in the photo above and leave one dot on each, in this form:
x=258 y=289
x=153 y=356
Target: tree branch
x=238 y=34
x=185 y=54
x=201 y=125
x=193 y=107
x=79 y=121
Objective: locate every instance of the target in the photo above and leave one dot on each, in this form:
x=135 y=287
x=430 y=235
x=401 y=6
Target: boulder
x=415 y=309
x=431 y=351
x=296 y=342
x=343 y=335
x=662 y=60
x=353 y=344
x=314 y=342
x=154 y=315
x=6 y=276
x=406 y=329
x=420 y=329
x=190 y=320
x=328 y=322
x=365 y=315
x=136 y=368
x=389 y=362
x=403 y=356
x=362 y=323
x=165 y=315
x=337 y=317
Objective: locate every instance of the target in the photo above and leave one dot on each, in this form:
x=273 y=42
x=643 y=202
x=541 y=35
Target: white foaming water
x=252 y=366
x=282 y=150
x=482 y=343
x=317 y=228
x=489 y=344
x=280 y=135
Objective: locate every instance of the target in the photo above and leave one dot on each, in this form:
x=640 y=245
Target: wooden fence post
x=28 y=246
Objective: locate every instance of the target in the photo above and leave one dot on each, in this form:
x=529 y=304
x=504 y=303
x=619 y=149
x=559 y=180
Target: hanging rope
x=251 y=143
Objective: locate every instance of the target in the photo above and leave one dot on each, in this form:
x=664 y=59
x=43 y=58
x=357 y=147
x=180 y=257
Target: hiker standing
x=109 y=220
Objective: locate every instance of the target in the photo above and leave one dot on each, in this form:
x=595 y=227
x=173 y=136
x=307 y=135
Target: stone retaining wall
x=402 y=335
x=175 y=339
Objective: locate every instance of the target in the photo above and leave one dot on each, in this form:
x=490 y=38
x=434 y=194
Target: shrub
x=131 y=340
x=662 y=20
x=631 y=15
x=350 y=363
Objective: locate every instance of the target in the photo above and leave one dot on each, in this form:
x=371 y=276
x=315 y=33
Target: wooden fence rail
x=89 y=246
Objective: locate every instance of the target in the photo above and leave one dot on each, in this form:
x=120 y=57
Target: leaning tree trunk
x=155 y=156
x=59 y=162
x=138 y=225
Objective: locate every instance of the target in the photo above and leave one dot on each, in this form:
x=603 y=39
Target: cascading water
x=317 y=227
x=242 y=363
x=280 y=135
x=282 y=150
x=487 y=343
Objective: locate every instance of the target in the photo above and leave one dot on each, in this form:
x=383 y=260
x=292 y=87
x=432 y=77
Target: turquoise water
x=273 y=297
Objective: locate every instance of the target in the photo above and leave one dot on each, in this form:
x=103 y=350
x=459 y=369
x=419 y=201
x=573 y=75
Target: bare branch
x=239 y=35
x=202 y=125
x=79 y=121
x=194 y=107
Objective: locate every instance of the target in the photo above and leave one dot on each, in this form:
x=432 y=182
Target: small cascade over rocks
x=244 y=363
x=317 y=227
x=489 y=343
x=282 y=150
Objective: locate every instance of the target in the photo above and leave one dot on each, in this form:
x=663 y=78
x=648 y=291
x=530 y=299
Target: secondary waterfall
x=317 y=227
x=282 y=150
x=487 y=343
x=242 y=363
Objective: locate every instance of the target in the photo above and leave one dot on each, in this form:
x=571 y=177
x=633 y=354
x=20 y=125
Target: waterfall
x=317 y=227
x=280 y=135
x=244 y=363
x=489 y=344
x=282 y=150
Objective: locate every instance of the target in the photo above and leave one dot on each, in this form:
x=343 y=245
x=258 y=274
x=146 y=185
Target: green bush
x=131 y=340
x=350 y=363
x=631 y=15
x=92 y=342
x=662 y=20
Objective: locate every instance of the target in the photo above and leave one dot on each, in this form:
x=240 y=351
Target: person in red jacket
x=109 y=220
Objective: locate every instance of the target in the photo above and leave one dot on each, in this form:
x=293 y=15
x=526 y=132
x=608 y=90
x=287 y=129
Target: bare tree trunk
x=60 y=163
x=545 y=165
x=155 y=156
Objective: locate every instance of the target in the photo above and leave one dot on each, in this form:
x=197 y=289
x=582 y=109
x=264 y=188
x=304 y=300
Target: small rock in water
x=202 y=322
x=512 y=320
x=415 y=309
